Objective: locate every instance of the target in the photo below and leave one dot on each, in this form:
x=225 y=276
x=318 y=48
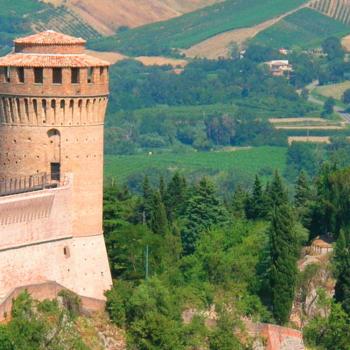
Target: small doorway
x=55 y=171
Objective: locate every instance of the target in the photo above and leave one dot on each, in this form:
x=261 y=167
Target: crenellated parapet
x=38 y=111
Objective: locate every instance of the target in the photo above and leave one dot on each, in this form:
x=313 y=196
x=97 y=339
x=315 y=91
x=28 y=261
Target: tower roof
x=50 y=49
x=51 y=61
x=50 y=37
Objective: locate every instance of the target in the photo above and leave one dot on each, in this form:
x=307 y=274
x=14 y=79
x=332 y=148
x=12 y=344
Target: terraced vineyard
x=305 y=28
x=63 y=20
x=187 y=30
x=21 y=17
x=337 y=9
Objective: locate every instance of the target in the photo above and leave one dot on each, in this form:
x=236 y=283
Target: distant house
x=321 y=246
x=283 y=51
x=279 y=68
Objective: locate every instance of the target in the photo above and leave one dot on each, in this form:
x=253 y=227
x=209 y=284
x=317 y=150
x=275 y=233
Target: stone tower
x=53 y=99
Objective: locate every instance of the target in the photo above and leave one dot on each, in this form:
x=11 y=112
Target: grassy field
x=306 y=28
x=247 y=162
x=190 y=29
x=17 y=8
x=333 y=90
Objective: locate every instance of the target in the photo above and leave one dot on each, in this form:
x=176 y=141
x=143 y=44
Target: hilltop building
x=53 y=99
x=280 y=68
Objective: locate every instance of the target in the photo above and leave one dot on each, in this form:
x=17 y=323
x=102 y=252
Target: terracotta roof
x=51 y=60
x=50 y=37
x=321 y=243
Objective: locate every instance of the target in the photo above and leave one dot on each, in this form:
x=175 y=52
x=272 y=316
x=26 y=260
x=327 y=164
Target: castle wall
x=35 y=217
x=26 y=150
x=79 y=264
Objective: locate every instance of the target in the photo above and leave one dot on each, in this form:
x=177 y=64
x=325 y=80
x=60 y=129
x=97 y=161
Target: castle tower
x=53 y=99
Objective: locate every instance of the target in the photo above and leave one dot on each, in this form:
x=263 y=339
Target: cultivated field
x=334 y=90
x=190 y=29
x=245 y=161
x=338 y=9
x=114 y=57
x=306 y=28
x=311 y=139
x=219 y=45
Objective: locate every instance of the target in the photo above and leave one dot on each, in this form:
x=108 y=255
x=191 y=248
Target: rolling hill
x=106 y=16
x=306 y=28
x=192 y=28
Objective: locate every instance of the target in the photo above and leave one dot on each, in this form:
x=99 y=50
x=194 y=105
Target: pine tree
x=283 y=269
x=158 y=220
x=175 y=196
x=239 y=202
x=203 y=211
x=256 y=208
x=302 y=191
x=278 y=194
x=342 y=264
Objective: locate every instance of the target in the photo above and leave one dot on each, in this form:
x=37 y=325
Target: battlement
x=31 y=183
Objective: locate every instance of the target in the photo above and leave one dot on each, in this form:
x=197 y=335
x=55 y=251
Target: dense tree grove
x=238 y=257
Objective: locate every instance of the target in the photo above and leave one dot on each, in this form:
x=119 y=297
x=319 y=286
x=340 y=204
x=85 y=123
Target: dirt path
x=114 y=57
x=345 y=115
x=218 y=45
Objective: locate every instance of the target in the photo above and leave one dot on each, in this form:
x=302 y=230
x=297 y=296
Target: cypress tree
x=283 y=268
x=342 y=264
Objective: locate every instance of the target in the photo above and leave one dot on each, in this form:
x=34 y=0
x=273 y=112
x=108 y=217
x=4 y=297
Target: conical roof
x=49 y=37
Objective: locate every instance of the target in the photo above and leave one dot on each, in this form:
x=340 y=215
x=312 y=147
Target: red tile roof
x=50 y=37
x=51 y=60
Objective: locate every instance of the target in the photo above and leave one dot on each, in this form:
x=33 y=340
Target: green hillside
x=192 y=28
x=305 y=28
x=247 y=162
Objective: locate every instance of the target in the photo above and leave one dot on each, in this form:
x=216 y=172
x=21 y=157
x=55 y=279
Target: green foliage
x=39 y=325
x=333 y=48
x=256 y=205
x=331 y=332
x=305 y=28
x=346 y=96
x=203 y=212
x=331 y=208
x=342 y=263
x=329 y=105
x=222 y=337
x=71 y=302
x=305 y=157
x=303 y=192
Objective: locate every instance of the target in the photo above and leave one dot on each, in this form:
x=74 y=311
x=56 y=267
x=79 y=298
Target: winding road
x=313 y=99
